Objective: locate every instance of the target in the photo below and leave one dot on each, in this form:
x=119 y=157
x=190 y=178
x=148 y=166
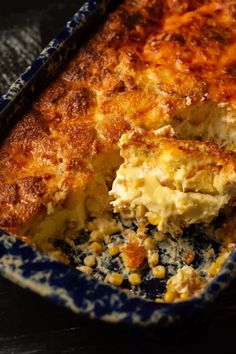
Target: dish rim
x=83 y=294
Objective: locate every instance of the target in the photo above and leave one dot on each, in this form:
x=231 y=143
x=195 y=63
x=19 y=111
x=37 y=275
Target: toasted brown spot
x=133 y=255
x=77 y=103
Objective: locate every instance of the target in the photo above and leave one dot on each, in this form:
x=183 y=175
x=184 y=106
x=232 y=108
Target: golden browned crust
x=151 y=142
x=150 y=60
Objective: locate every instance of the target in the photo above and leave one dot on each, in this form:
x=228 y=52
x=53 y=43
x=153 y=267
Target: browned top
x=150 y=59
x=185 y=165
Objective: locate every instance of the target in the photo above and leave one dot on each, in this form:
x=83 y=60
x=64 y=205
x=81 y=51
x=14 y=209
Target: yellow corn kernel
x=184 y=296
x=216 y=266
x=85 y=269
x=113 y=249
x=90 y=261
x=140 y=211
x=129 y=233
x=153 y=219
x=158 y=299
x=159 y=236
x=96 y=236
x=115 y=278
x=138 y=182
x=141 y=233
x=135 y=279
x=149 y=244
x=60 y=256
x=169 y=296
x=153 y=259
x=96 y=248
x=159 y=272
x=136 y=160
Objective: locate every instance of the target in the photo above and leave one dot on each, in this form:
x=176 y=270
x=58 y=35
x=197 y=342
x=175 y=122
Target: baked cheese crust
x=152 y=63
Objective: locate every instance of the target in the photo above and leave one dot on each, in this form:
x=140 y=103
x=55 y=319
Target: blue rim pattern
x=62 y=284
x=82 y=294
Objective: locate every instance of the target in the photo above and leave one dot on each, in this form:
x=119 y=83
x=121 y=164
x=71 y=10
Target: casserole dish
x=95 y=299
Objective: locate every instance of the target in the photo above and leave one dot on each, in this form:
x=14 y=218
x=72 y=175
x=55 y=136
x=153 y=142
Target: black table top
x=28 y=323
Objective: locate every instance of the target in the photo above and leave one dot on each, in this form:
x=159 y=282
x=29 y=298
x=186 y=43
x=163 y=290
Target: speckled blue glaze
x=82 y=294
x=62 y=284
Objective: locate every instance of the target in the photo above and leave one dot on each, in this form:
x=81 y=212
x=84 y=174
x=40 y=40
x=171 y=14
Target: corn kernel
x=216 y=266
x=96 y=236
x=96 y=248
x=159 y=236
x=113 y=249
x=135 y=279
x=149 y=244
x=159 y=272
x=115 y=278
x=128 y=233
x=58 y=254
x=141 y=233
x=153 y=219
x=169 y=296
x=111 y=226
x=158 y=299
x=153 y=259
x=90 y=261
x=140 y=211
x=85 y=269
x=184 y=296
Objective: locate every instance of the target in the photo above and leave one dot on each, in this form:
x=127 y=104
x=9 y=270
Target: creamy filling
x=68 y=216
x=170 y=210
x=208 y=121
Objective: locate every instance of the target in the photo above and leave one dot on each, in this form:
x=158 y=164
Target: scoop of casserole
x=173 y=183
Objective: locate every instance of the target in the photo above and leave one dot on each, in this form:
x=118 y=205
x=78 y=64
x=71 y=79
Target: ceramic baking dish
x=53 y=280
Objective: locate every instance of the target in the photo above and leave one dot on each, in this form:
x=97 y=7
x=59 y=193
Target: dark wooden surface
x=31 y=325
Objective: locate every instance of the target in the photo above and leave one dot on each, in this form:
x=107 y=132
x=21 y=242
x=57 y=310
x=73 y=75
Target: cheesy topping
x=178 y=182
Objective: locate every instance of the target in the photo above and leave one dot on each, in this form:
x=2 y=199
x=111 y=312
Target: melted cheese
x=178 y=183
x=184 y=284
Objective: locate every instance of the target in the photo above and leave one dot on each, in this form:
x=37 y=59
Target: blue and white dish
x=58 y=282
